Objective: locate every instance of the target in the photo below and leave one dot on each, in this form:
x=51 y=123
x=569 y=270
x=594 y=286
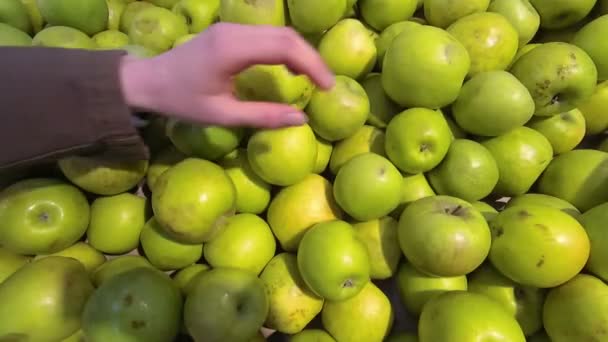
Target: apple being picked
x=199 y=14
x=559 y=76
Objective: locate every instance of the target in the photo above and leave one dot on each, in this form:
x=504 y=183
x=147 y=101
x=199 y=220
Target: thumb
x=258 y=114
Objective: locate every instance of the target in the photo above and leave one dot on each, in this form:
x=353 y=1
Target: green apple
x=311 y=335
x=226 y=304
x=442 y=13
x=324 y=152
x=579 y=177
x=530 y=198
x=522 y=51
x=525 y=303
x=184 y=278
x=443 y=236
x=558 y=75
x=42 y=215
x=338 y=113
x=34 y=14
x=183 y=39
x=449 y=317
x=164 y=252
x=118 y=265
x=273 y=83
x=593 y=220
x=252 y=193
x=417 y=288
x=367 y=316
x=556 y=247
x=141 y=304
x=387 y=35
x=348 y=49
x=368 y=187
x=366 y=139
x=292 y=305
x=564 y=131
x=479 y=111
x=15 y=14
x=315 y=16
x=110 y=39
x=283 y=156
x=413 y=187
x=88 y=16
x=103 y=176
x=521 y=14
x=130 y=12
x=596 y=118
x=161 y=162
x=562 y=13
x=245 y=242
x=156 y=28
x=490 y=39
x=199 y=14
x=63 y=37
x=295 y=208
x=333 y=261
x=380 y=238
x=10 y=36
x=522 y=154
x=206 y=142
x=193 y=199
x=78 y=336
x=417 y=139
x=52 y=291
x=115 y=10
x=10 y=262
x=413 y=56
x=268 y=12
x=468 y=171
x=577 y=310
x=488 y=211
x=88 y=256
x=163 y=3
x=382 y=108
x=380 y=14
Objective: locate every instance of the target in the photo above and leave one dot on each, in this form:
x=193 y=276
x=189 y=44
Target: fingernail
x=296 y=118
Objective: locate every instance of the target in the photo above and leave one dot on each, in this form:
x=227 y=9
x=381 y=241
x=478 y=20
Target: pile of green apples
x=451 y=186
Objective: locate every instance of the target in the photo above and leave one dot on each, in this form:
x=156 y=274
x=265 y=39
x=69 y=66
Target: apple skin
x=546 y=200
x=367 y=139
x=324 y=151
x=206 y=142
x=332 y=260
x=15 y=14
x=163 y=3
x=88 y=256
x=116 y=266
x=564 y=131
x=10 y=262
x=269 y=12
x=199 y=14
x=521 y=14
x=380 y=238
x=443 y=236
x=368 y=187
x=315 y=16
x=556 y=249
x=448 y=318
x=587 y=39
x=559 y=76
x=442 y=13
x=63 y=37
x=413 y=56
x=386 y=38
x=34 y=14
x=192 y=200
x=490 y=39
x=593 y=220
x=414 y=187
x=311 y=335
x=577 y=310
x=382 y=108
x=10 y=36
x=417 y=140
x=161 y=162
x=225 y=304
x=579 y=177
x=115 y=10
x=522 y=154
x=596 y=118
x=380 y=14
x=562 y=13
x=525 y=303
x=42 y=216
x=165 y=253
x=90 y=16
x=417 y=288
x=110 y=39
x=53 y=290
x=479 y=109
x=130 y=12
x=292 y=304
x=156 y=28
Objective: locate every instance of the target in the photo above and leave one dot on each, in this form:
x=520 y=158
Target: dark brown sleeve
x=58 y=102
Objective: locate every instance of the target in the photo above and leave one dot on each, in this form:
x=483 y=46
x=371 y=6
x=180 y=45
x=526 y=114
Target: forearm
x=58 y=102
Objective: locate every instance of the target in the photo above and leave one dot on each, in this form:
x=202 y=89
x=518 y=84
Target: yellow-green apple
x=380 y=238
x=115 y=10
x=366 y=139
x=116 y=266
x=267 y=12
x=587 y=39
x=10 y=36
x=63 y=37
x=129 y=13
x=414 y=187
x=184 y=278
x=596 y=117
x=161 y=162
x=199 y=14
x=315 y=16
x=34 y=14
x=156 y=28
x=386 y=38
x=10 y=262
x=110 y=39
x=531 y=198
x=164 y=252
x=15 y=14
x=565 y=131
x=442 y=13
x=206 y=142
x=521 y=14
x=88 y=16
x=593 y=220
x=382 y=108
x=380 y=14
x=88 y=256
x=311 y=335
x=562 y=13
x=324 y=152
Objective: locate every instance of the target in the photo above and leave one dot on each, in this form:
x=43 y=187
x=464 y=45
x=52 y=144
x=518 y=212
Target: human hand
x=194 y=81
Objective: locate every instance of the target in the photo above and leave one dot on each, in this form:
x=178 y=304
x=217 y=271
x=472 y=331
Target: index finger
x=263 y=44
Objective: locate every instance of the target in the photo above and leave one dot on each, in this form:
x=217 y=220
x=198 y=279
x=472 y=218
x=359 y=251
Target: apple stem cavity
x=455 y=211
x=44 y=217
x=347 y=283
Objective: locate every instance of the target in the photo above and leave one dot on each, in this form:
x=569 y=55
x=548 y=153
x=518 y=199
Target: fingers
x=231 y=112
x=263 y=44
